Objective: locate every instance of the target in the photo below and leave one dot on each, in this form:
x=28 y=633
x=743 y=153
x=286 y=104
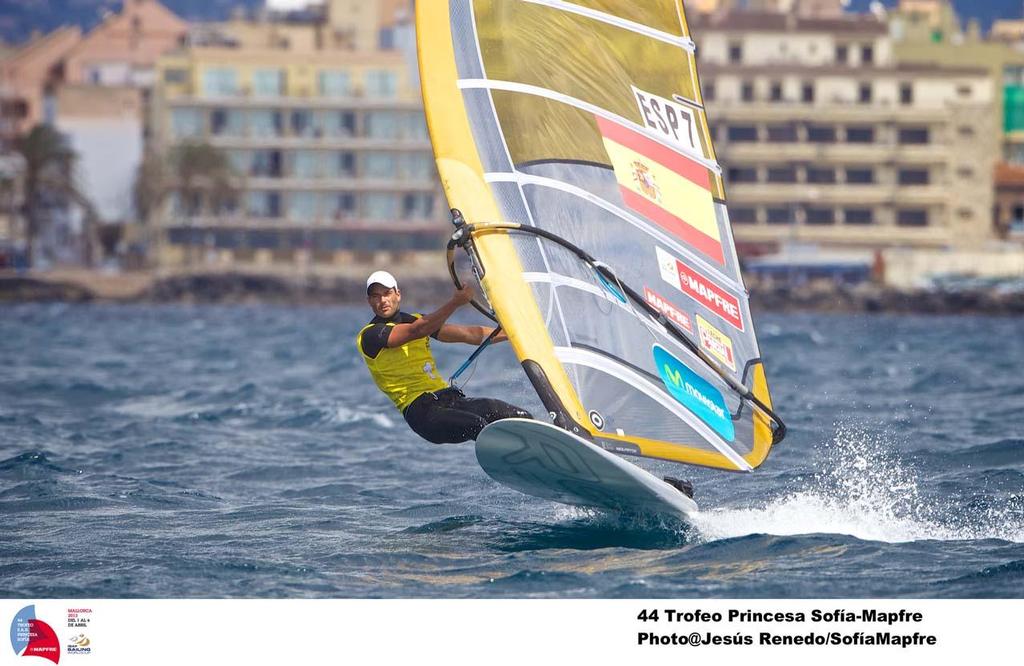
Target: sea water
x=242 y=451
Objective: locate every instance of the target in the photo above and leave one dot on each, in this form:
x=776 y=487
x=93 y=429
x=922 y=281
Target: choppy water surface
x=244 y=452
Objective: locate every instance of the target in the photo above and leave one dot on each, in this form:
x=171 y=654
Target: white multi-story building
x=825 y=139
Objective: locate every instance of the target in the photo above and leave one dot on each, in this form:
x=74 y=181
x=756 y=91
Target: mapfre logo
x=31 y=637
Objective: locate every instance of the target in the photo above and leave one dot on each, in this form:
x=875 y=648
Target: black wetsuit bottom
x=448 y=416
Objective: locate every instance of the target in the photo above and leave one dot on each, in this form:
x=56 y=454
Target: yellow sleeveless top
x=403 y=373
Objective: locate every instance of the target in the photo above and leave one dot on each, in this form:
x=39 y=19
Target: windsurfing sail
x=571 y=137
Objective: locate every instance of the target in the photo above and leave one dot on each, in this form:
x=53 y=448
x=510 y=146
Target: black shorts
x=448 y=416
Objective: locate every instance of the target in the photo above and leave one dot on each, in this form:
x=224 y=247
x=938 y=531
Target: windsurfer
x=396 y=348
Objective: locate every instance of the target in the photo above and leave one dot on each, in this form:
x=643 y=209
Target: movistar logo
x=677 y=380
x=694 y=392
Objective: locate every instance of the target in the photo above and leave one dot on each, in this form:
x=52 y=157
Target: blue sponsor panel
x=694 y=393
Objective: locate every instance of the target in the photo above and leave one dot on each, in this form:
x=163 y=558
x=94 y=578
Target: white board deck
x=545 y=461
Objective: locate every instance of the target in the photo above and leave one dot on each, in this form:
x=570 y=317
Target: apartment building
x=826 y=139
x=327 y=141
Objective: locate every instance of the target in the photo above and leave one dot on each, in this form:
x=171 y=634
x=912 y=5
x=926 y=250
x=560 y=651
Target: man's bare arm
x=472 y=335
x=428 y=324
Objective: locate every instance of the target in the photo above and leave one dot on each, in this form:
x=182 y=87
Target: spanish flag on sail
x=664 y=186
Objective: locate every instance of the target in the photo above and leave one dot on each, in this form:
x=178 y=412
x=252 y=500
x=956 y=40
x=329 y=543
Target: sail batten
x=571 y=135
x=554 y=95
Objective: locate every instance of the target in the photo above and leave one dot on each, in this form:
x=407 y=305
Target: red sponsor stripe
x=675 y=225
x=711 y=295
x=693 y=171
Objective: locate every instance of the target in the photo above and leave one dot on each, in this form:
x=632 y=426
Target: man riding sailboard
x=395 y=346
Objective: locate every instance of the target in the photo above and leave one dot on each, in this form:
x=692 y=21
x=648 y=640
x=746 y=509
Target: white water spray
x=867 y=491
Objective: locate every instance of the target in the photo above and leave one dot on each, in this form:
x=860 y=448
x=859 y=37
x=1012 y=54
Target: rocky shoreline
x=241 y=288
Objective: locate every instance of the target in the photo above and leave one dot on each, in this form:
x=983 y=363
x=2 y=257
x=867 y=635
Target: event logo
x=79 y=644
x=695 y=393
x=716 y=343
x=31 y=637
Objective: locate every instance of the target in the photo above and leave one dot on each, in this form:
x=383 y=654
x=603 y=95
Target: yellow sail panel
x=462 y=176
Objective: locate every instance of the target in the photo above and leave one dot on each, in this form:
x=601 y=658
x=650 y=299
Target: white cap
x=383 y=278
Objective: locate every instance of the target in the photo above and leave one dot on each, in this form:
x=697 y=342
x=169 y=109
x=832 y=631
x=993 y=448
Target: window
x=306 y=164
x=821 y=134
x=266 y=163
x=219 y=82
x=807 y=93
x=913 y=177
x=709 y=91
x=842 y=54
x=864 y=93
x=782 y=133
x=776 y=91
x=175 y=75
x=747 y=91
x=382 y=125
x=965 y=132
x=416 y=166
x=418 y=206
x=965 y=173
x=302 y=123
x=341 y=206
x=341 y=165
x=860 y=135
x=380 y=206
x=779 y=216
x=859 y=216
x=821 y=175
x=340 y=123
x=742 y=133
x=268 y=82
x=381 y=83
x=965 y=213
x=913 y=135
x=263 y=204
x=860 y=175
x=743 y=175
x=186 y=123
x=240 y=160
x=334 y=83
x=266 y=122
x=820 y=216
x=735 y=52
x=906 y=94
x=380 y=165
x=912 y=217
x=415 y=126
x=264 y=239
x=963 y=91
x=302 y=206
x=782 y=174
x=743 y=215
x=227 y=122
x=867 y=54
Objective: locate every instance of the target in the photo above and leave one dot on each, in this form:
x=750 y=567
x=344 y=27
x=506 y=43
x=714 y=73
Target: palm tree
x=49 y=182
x=198 y=173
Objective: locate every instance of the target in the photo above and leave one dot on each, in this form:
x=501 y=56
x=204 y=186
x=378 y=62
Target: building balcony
x=397 y=184
x=283 y=223
x=348 y=103
x=732 y=152
x=848 y=113
x=872 y=235
x=771 y=194
x=316 y=142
